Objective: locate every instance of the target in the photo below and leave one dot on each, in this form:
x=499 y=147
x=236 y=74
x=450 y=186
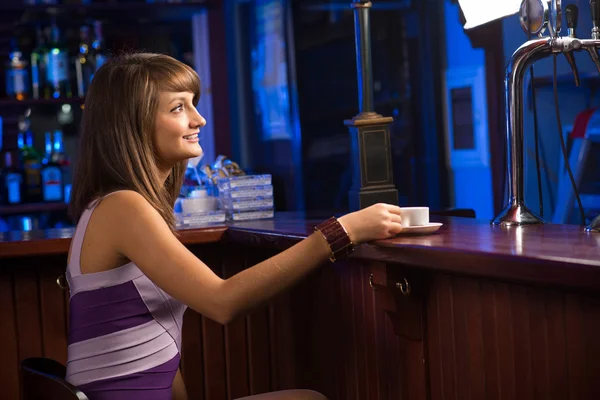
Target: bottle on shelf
x=48 y=147
x=39 y=55
x=100 y=54
x=58 y=154
x=12 y=182
x=17 y=73
x=30 y=159
x=51 y=172
x=84 y=63
x=57 y=65
x=65 y=163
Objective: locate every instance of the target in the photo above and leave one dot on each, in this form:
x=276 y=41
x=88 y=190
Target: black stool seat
x=44 y=379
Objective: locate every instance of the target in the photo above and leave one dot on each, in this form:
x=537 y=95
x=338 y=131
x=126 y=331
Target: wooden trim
x=42 y=244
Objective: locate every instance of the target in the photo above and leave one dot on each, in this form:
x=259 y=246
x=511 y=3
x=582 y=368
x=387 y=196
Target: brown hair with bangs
x=116 y=150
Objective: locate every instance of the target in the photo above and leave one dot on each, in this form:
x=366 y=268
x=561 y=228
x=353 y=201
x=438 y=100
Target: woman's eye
x=178 y=108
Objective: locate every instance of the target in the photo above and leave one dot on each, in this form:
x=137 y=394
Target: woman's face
x=177 y=126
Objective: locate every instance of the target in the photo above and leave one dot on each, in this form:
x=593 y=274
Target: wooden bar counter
x=471 y=312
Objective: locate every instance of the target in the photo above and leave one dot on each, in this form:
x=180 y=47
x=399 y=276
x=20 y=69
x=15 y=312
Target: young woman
x=130 y=278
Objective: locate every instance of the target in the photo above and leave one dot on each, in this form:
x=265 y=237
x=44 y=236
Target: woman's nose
x=198 y=121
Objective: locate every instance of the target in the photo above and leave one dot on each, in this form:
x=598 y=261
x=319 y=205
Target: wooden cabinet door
x=357 y=336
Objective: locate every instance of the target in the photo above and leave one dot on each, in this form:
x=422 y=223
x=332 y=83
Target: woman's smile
x=193 y=138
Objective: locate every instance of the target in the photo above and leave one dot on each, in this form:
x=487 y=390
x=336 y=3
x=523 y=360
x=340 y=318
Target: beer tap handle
x=572 y=16
x=571 y=60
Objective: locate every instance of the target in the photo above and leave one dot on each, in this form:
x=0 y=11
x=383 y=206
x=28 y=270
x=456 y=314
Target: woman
x=130 y=278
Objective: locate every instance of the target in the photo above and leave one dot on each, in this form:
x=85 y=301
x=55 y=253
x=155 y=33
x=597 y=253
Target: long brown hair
x=116 y=149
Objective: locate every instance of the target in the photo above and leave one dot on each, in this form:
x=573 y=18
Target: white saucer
x=431 y=227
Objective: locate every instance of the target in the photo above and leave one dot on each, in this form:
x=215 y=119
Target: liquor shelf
x=127 y=10
x=31 y=208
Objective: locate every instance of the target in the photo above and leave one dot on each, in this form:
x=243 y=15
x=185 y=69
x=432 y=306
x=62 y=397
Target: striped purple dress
x=125 y=332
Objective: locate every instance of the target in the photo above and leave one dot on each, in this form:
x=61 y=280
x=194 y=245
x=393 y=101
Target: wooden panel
x=523 y=347
x=348 y=336
x=9 y=361
x=259 y=355
x=28 y=313
x=372 y=343
x=283 y=366
x=53 y=313
x=495 y=340
x=212 y=352
x=230 y=361
x=346 y=346
x=33 y=315
x=215 y=374
x=236 y=344
x=192 y=356
x=590 y=309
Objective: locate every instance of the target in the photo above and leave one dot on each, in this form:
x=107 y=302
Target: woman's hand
x=379 y=221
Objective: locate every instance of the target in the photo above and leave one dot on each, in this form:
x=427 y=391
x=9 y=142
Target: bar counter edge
x=561 y=255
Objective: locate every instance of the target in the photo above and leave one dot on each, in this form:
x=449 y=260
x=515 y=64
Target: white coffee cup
x=414 y=216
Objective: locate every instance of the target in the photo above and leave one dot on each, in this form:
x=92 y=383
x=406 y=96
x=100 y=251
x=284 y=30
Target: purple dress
x=125 y=332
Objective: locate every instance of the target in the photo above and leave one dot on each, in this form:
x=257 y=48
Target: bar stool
x=44 y=379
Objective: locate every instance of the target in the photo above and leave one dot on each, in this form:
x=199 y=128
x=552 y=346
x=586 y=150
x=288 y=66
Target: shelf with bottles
x=55 y=62
x=30 y=208
x=140 y=11
x=48 y=70
x=28 y=178
x=12 y=102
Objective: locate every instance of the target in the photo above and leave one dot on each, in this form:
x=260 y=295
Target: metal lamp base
x=517 y=214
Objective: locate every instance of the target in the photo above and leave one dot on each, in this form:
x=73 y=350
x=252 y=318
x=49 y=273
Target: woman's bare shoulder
x=121 y=203
x=126 y=211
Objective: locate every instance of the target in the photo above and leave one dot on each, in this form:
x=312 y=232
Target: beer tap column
x=516 y=212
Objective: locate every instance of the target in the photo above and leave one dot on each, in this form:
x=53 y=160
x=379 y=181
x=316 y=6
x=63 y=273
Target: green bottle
x=57 y=66
x=38 y=66
x=31 y=160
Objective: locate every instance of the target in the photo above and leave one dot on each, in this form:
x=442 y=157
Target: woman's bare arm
x=138 y=233
x=178 y=390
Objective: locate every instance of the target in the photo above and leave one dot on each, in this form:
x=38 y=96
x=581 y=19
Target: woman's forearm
x=254 y=286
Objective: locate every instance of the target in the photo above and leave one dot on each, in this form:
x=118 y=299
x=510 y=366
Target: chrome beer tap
x=516 y=212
